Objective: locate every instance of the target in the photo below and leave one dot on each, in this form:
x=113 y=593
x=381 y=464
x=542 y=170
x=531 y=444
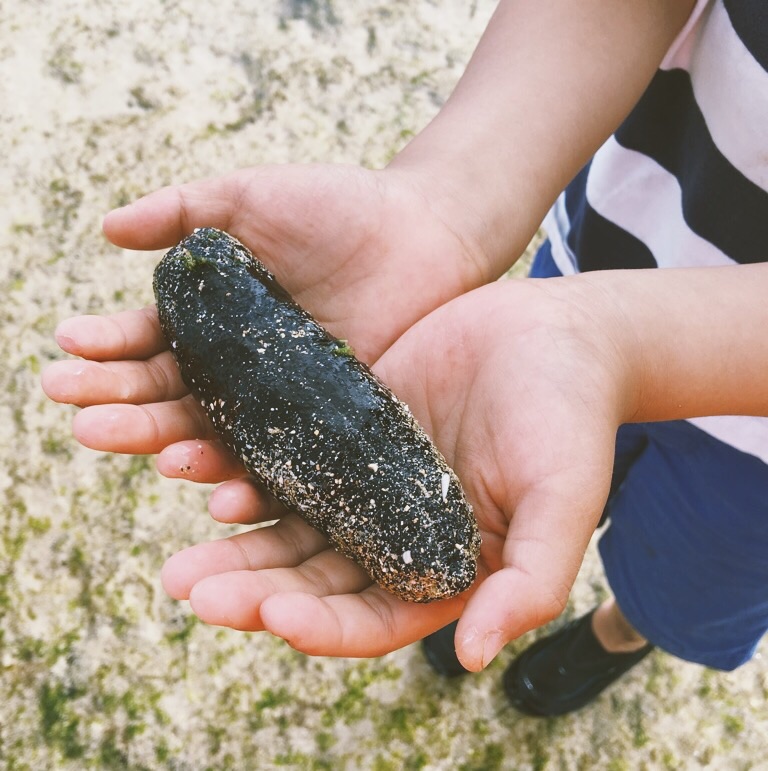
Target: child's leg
x=613 y=631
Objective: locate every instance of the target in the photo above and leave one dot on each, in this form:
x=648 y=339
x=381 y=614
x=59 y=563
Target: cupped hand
x=520 y=385
x=367 y=252
x=512 y=381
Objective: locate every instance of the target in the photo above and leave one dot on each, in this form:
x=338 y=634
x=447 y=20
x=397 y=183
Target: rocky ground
x=102 y=101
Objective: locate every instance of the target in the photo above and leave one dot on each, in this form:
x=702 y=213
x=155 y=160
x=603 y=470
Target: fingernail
x=114 y=213
x=483 y=649
x=492 y=644
x=67 y=344
x=469 y=637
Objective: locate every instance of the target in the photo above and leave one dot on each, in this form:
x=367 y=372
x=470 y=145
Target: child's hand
x=522 y=384
x=517 y=382
x=369 y=253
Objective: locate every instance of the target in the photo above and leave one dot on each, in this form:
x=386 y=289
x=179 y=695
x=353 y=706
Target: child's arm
x=652 y=345
x=549 y=82
x=523 y=385
x=369 y=253
x=695 y=339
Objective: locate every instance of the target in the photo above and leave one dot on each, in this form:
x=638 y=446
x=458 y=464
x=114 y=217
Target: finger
x=543 y=551
x=234 y=599
x=124 y=335
x=243 y=501
x=141 y=429
x=199 y=461
x=164 y=217
x=129 y=382
x=370 y=623
x=286 y=544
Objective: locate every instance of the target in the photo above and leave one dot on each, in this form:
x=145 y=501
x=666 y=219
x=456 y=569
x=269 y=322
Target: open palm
x=521 y=403
x=508 y=384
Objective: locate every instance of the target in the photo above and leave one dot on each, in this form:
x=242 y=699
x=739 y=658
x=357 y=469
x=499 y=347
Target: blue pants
x=685 y=549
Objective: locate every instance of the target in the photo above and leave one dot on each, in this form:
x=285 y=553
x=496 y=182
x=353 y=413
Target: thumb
x=162 y=218
x=543 y=552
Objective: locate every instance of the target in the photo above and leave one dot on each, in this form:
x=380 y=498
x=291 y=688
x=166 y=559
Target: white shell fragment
x=445 y=482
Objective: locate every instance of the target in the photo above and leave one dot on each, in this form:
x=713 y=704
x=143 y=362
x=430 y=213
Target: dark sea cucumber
x=312 y=423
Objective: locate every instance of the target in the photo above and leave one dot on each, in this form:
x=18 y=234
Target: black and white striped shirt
x=684 y=180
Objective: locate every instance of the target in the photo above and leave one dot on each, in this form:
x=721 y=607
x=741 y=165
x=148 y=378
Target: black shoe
x=440 y=652
x=564 y=671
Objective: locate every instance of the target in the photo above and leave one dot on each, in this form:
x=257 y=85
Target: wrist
x=589 y=315
x=496 y=156
x=483 y=207
x=615 y=340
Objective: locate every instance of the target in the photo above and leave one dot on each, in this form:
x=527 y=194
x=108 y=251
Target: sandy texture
x=102 y=101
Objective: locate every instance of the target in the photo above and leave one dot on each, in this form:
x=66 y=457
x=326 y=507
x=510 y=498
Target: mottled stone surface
x=98 y=668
